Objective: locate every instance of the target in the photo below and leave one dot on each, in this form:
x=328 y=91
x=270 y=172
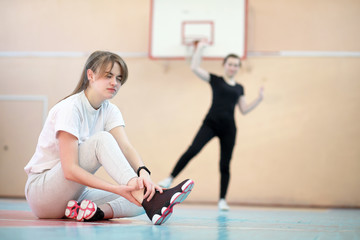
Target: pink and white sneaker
x=85 y=211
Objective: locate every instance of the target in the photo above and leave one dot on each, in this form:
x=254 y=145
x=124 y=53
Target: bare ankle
x=138 y=194
x=108 y=211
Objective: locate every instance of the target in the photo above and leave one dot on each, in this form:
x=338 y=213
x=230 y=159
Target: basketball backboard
x=176 y=24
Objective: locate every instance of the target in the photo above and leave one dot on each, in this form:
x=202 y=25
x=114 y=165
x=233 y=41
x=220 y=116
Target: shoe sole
x=224 y=209
x=87 y=210
x=69 y=211
x=177 y=198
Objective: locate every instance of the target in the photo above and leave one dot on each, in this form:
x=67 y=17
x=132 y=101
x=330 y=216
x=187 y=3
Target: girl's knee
x=103 y=135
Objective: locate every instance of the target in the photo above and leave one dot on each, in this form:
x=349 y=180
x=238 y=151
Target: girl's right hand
x=203 y=43
x=125 y=191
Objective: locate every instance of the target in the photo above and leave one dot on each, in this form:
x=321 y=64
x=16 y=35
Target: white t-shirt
x=76 y=116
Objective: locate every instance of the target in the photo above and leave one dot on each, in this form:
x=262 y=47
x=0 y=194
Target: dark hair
x=100 y=60
x=232 y=55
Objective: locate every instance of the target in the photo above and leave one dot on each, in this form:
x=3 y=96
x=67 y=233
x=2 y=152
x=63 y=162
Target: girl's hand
x=145 y=181
x=125 y=191
x=202 y=43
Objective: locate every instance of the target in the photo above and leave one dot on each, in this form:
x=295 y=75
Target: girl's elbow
x=243 y=111
x=68 y=174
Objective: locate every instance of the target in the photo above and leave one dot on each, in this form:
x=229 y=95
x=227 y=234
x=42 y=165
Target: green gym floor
x=188 y=222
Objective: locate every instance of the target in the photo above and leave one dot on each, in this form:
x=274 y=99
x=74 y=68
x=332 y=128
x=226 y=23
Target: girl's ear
x=90 y=75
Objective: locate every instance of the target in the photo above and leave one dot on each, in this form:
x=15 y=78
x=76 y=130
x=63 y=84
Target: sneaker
x=166 y=183
x=85 y=211
x=72 y=209
x=160 y=208
x=223 y=205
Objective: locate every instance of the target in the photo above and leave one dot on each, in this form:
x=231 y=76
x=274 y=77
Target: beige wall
x=319 y=25
x=299 y=147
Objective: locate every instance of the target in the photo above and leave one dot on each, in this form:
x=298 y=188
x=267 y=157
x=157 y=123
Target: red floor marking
x=15 y=218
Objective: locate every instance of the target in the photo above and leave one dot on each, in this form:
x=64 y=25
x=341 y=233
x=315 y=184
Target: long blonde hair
x=100 y=60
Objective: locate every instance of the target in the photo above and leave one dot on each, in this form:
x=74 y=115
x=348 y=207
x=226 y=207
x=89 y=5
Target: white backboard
x=175 y=24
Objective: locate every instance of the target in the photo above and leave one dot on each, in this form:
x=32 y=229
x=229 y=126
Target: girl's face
x=106 y=85
x=231 y=67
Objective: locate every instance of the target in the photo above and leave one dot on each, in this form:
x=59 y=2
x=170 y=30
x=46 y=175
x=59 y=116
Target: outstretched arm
x=245 y=107
x=196 y=61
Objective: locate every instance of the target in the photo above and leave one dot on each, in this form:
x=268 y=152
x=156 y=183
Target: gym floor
x=188 y=222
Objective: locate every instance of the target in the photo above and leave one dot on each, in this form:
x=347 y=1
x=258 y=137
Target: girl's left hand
x=145 y=181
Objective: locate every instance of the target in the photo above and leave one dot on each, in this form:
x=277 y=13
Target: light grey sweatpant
x=48 y=192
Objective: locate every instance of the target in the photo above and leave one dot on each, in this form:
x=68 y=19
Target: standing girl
x=220 y=119
x=83 y=132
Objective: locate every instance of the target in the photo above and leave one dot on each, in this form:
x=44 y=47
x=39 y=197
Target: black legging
x=226 y=134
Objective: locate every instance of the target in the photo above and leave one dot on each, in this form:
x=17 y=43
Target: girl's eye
x=118 y=78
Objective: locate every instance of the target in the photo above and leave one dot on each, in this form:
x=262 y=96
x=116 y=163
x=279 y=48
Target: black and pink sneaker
x=160 y=208
x=85 y=211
